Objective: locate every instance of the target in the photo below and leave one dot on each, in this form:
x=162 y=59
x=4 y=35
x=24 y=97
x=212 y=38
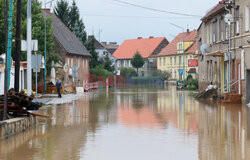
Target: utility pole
x=6 y=70
x=29 y=45
x=45 y=43
x=18 y=45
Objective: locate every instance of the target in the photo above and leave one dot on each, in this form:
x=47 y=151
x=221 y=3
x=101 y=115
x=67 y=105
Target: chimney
x=139 y=38
x=151 y=37
x=188 y=30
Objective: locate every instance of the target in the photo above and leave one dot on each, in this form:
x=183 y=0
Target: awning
x=192 y=71
x=215 y=54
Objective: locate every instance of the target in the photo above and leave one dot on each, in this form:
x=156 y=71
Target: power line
x=157 y=10
x=124 y=16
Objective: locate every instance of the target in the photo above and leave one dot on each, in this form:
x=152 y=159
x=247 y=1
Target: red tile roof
x=171 y=48
x=143 y=45
x=216 y=8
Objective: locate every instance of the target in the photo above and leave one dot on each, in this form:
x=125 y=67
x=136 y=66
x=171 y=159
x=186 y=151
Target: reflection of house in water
x=179 y=109
x=175 y=110
x=223 y=132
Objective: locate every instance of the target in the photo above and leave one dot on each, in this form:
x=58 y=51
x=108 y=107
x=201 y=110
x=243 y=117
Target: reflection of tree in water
x=100 y=107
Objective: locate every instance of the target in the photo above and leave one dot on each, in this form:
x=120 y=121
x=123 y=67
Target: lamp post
x=183 y=47
x=45 y=43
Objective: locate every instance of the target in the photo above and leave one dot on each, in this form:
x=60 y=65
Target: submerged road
x=135 y=124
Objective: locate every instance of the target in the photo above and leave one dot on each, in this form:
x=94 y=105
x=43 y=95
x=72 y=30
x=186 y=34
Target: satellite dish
x=229 y=18
x=205 y=48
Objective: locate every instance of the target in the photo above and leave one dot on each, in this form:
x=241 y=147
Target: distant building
x=171 y=57
x=101 y=49
x=147 y=47
x=74 y=56
x=22 y=73
x=214 y=46
x=111 y=46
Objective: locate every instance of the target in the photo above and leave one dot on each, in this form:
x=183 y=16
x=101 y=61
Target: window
x=186 y=60
x=214 y=30
x=164 y=61
x=68 y=60
x=72 y=62
x=170 y=60
x=118 y=63
x=79 y=62
x=222 y=28
x=125 y=63
x=160 y=61
x=226 y=31
x=175 y=60
x=83 y=62
x=237 y=23
x=208 y=41
x=246 y=18
x=180 y=59
x=129 y=63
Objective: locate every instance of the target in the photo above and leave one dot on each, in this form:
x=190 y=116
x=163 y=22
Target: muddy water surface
x=135 y=124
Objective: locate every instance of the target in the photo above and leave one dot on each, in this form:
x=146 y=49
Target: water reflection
x=136 y=123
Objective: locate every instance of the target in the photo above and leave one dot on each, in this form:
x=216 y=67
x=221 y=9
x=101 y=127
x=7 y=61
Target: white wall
x=12 y=79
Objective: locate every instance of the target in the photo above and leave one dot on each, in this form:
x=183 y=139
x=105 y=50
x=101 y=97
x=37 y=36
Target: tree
x=62 y=11
x=108 y=64
x=38 y=29
x=137 y=61
x=94 y=55
x=70 y=16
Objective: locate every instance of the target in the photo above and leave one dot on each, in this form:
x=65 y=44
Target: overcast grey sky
x=119 y=22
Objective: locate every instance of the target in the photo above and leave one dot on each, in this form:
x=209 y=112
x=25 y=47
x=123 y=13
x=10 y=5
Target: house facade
x=147 y=47
x=172 y=59
x=214 y=56
x=101 y=49
x=74 y=56
x=22 y=73
x=111 y=46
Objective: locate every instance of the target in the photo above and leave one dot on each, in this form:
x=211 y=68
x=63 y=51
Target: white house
x=23 y=74
x=101 y=50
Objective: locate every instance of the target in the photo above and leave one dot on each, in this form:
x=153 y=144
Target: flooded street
x=135 y=124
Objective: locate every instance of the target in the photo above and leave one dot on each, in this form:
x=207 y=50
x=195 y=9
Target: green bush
x=128 y=72
x=192 y=84
x=100 y=71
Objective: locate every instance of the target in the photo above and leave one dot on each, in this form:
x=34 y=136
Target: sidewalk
x=53 y=99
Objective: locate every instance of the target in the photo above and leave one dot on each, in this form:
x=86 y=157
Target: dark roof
x=67 y=38
x=97 y=44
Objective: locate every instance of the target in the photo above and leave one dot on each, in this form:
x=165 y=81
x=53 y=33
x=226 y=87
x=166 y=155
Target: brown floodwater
x=135 y=124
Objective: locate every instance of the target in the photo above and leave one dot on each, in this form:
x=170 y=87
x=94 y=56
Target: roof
x=215 y=9
x=145 y=46
x=171 y=48
x=97 y=44
x=111 y=47
x=67 y=38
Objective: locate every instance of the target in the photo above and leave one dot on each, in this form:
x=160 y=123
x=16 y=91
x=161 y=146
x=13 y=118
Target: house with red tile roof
x=172 y=60
x=147 y=47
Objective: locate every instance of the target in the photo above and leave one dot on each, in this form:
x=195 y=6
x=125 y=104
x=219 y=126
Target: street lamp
x=183 y=47
x=45 y=47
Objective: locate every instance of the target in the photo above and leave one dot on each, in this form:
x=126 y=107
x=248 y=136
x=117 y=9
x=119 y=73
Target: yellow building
x=171 y=58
